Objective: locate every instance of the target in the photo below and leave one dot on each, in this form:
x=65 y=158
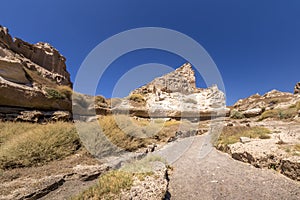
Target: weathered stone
x=23 y=115
x=181 y=80
x=13 y=71
x=29 y=116
x=245 y=140
x=256 y=104
x=252 y=112
x=291 y=167
x=61 y=116
x=16 y=95
x=151 y=187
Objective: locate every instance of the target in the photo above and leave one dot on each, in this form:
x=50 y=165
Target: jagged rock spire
x=180 y=80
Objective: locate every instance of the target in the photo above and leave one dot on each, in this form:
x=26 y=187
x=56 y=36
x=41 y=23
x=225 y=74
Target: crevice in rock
x=45 y=191
x=167 y=194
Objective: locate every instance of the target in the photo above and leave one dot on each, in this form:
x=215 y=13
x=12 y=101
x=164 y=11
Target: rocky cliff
x=174 y=95
x=32 y=77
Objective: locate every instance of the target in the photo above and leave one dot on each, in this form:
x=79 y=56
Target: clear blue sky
x=255 y=43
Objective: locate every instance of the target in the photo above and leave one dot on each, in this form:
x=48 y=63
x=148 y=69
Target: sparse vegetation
x=111 y=184
x=292 y=149
x=108 y=186
x=234 y=114
x=143 y=165
x=131 y=134
x=54 y=93
x=59 y=92
x=288 y=113
x=25 y=144
x=65 y=91
x=269 y=114
x=138 y=98
x=231 y=135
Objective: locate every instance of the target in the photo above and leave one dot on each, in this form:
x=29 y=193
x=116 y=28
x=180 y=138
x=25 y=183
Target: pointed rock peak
x=180 y=80
x=185 y=66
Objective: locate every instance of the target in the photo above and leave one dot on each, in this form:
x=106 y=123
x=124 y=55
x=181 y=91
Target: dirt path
x=217 y=176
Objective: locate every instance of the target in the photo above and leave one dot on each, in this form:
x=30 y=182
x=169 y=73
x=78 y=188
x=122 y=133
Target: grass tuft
x=231 y=135
x=109 y=185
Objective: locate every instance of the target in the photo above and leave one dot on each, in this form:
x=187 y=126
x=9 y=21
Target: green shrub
x=53 y=93
x=234 y=114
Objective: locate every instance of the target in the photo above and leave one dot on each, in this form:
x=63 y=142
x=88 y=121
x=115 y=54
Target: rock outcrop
x=255 y=105
x=174 y=95
x=32 y=77
x=297 y=88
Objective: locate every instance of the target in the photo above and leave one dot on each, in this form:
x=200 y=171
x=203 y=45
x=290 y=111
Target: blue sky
x=254 y=43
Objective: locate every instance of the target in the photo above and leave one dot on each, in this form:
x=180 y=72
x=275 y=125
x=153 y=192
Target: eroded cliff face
x=41 y=57
x=175 y=95
x=32 y=77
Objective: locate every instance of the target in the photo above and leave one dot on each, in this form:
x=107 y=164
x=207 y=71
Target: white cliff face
x=208 y=99
x=176 y=95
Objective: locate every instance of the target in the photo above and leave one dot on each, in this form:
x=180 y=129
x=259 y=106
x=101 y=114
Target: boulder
x=252 y=112
x=245 y=140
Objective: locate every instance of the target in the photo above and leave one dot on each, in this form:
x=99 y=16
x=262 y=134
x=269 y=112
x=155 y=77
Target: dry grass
x=110 y=185
x=144 y=165
x=137 y=98
x=231 y=135
x=288 y=113
x=26 y=144
x=66 y=91
x=292 y=149
x=111 y=134
x=130 y=134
